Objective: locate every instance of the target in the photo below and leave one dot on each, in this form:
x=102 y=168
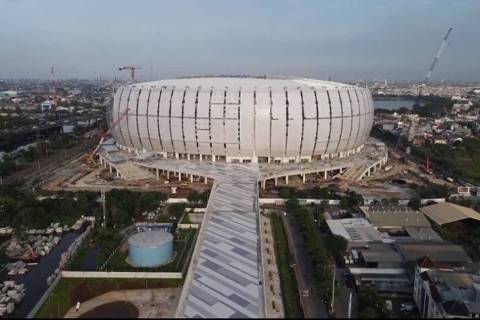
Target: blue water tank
x=150 y=249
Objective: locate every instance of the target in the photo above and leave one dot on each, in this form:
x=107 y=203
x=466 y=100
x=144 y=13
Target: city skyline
x=344 y=40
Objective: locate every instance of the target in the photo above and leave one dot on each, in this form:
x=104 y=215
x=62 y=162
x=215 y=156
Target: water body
x=392 y=104
x=35 y=280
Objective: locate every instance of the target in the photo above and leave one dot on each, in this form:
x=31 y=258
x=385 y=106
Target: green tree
x=336 y=246
x=414 y=203
x=371 y=305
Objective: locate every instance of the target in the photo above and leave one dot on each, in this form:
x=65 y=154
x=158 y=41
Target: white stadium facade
x=238 y=135
x=242 y=119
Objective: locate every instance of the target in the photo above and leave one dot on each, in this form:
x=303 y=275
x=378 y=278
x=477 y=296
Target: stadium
x=236 y=135
x=242 y=119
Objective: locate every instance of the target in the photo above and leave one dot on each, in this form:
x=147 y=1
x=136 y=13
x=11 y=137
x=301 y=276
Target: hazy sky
x=347 y=40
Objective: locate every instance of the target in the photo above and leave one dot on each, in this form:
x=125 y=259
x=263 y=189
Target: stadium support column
x=276 y=181
x=191 y=178
x=179 y=176
x=168 y=174
x=158 y=174
x=110 y=168
x=206 y=180
x=304 y=178
x=326 y=174
x=264 y=184
x=286 y=179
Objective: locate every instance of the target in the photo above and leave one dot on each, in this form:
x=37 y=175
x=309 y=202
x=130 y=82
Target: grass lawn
x=291 y=299
x=71 y=290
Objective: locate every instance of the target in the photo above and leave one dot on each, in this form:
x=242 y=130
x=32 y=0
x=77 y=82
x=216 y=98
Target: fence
x=280 y=201
x=123 y=275
x=44 y=297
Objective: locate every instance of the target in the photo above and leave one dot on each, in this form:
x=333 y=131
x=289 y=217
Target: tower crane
x=132 y=70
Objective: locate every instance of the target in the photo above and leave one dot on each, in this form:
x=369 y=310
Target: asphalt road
x=342 y=297
x=312 y=304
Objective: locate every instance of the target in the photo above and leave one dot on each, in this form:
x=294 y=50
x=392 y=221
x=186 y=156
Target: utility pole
x=350 y=305
x=333 y=289
x=103 y=200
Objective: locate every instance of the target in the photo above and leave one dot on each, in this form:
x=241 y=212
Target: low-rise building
x=441 y=291
x=47 y=105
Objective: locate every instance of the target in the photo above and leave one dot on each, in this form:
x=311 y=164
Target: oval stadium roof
x=247 y=82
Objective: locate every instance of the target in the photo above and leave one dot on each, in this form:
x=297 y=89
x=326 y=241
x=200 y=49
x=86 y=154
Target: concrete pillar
x=191 y=178
x=179 y=176
x=304 y=178
x=206 y=180
x=264 y=184
x=168 y=174
x=158 y=174
x=276 y=181
x=188 y=156
x=201 y=158
x=341 y=170
x=326 y=174
x=286 y=179
x=110 y=168
x=213 y=158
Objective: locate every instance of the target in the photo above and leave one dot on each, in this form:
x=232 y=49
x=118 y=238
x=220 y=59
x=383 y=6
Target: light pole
x=332 y=306
x=350 y=305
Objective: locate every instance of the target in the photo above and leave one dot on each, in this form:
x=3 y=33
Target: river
x=392 y=104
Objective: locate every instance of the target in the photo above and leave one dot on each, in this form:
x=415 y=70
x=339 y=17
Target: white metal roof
x=244 y=83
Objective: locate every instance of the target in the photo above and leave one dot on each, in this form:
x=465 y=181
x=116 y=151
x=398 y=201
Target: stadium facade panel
x=242 y=119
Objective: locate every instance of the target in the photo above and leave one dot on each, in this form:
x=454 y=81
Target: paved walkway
x=151 y=303
x=225 y=276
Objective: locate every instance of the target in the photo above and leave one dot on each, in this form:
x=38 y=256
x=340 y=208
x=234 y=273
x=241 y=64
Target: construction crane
x=411 y=128
x=90 y=157
x=435 y=60
x=132 y=70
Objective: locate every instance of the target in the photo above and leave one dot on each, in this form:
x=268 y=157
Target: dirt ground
x=85 y=178
x=151 y=303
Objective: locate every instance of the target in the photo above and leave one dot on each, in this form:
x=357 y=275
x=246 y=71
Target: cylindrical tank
x=150 y=248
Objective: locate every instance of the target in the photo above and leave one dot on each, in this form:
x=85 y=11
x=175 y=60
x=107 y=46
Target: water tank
x=150 y=248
